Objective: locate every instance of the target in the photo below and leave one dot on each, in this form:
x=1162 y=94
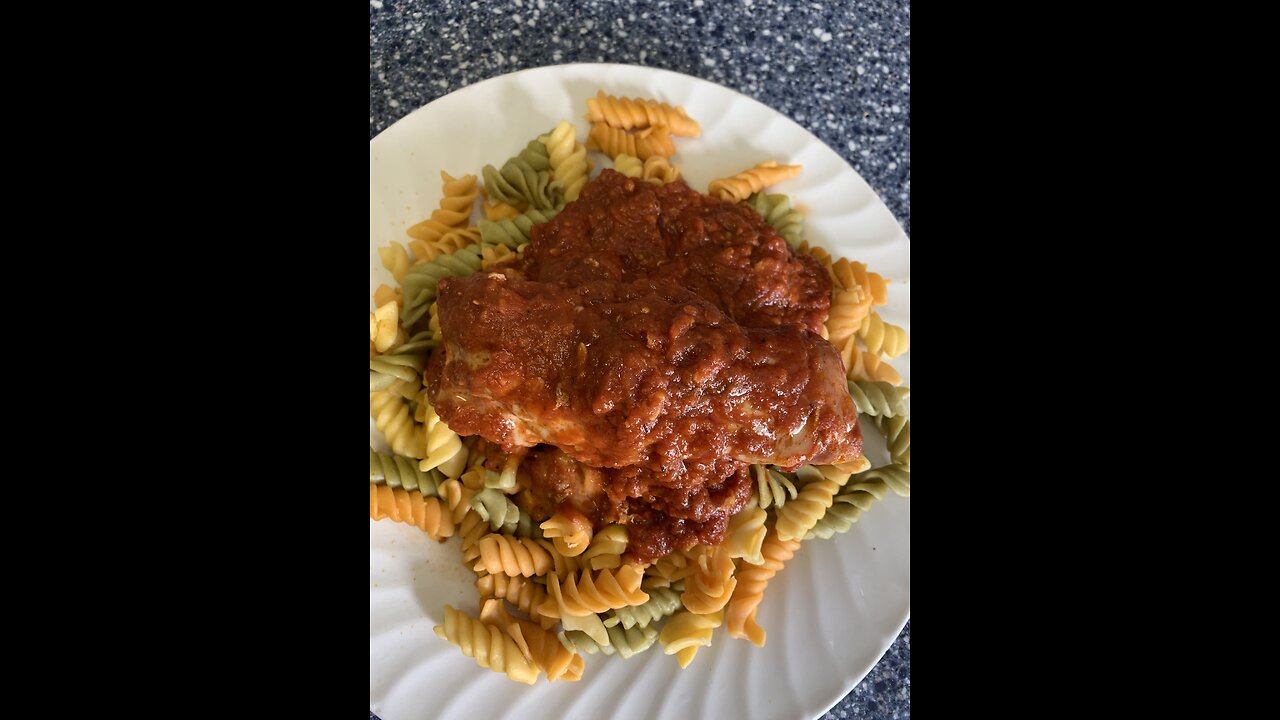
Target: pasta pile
x=551 y=591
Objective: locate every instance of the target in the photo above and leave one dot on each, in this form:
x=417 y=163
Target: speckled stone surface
x=840 y=69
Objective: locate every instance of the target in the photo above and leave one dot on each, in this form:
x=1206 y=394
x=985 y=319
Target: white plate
x=833 y=610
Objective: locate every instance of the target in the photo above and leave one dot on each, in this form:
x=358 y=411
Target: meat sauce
x=651 y=341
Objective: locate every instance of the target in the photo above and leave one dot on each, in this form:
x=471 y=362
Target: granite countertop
x=841 y=69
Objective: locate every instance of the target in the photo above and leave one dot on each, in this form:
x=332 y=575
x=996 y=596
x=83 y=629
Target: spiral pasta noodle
x=627 y=114
x=798 y=517
x=427 y=250
x=386 y=329
x=525 y=178
x=862 y=491
x=420 y=282
x=606 y=548
x=897 y=434
x=395 y=259
x=676 y=565
x=777 y=211
x=540 y=647
x=658 y=170
x=849 y=307
x=643 y=144
x=492 y=255
x=570 y=531
x=390 y=415
x=740 y=615
x=396 y=471
x=661 y=603
x=497 y=509
x=499 y=210
x=444 y=448
x=629 y=165
x=385 y=294
x=583 y=594
x=709 y=588
x=487 y=645
x=516 y=231
x=513 y=556
x=454 y=211
x=410 y=507
x=523 y=594
x=879 y=399
x=849 y=275
x=471 y=530
x=746 y=533
x=685 y=632
x=772 y=487
x=456 y=498
x=568 y=159
x=883 y=338
x=864 y=366
x=403 y=364
x=737 y=188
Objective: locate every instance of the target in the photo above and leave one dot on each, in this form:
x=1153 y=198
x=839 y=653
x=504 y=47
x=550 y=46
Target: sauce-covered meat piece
x=622 y=230
x=643 y=373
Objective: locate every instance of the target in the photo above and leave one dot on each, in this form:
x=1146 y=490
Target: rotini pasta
x=497 y=509
x=396 y=471
x=737 y=188
x=456 y=497
x=777 y=211
x=864 y=366
x=492 y=255
x=512 y=556
x=516 y=231
x=523 y=594
x=391 y=416
x=659 y=170
x=570 y=531
x=568 y=159
x=879 y=399
x=606 y=548
x=849 y=307
x=629 y=165
x=897 y=433
x=387 y=327
x=427 y=250
x=585 y=595
x=385 y=294
x=454 y=211
x=471 y=529
x=740 y=615
x=709 y=588
x=797 y=518
x=772 y=486
x=629 y=642
x=444 y=448
x=862 y=491
x=628 y=114
x=499 y=210
x=395 y=259
x=525 y=178
x=490 y=647
x=848 y=275
x=537 y=645
x=643 y=144
x=419 y=282
x=589 y=625
x=661 y=603
x=685 y=632
x=746 y=533
x=411 y=507
x=883 y=338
